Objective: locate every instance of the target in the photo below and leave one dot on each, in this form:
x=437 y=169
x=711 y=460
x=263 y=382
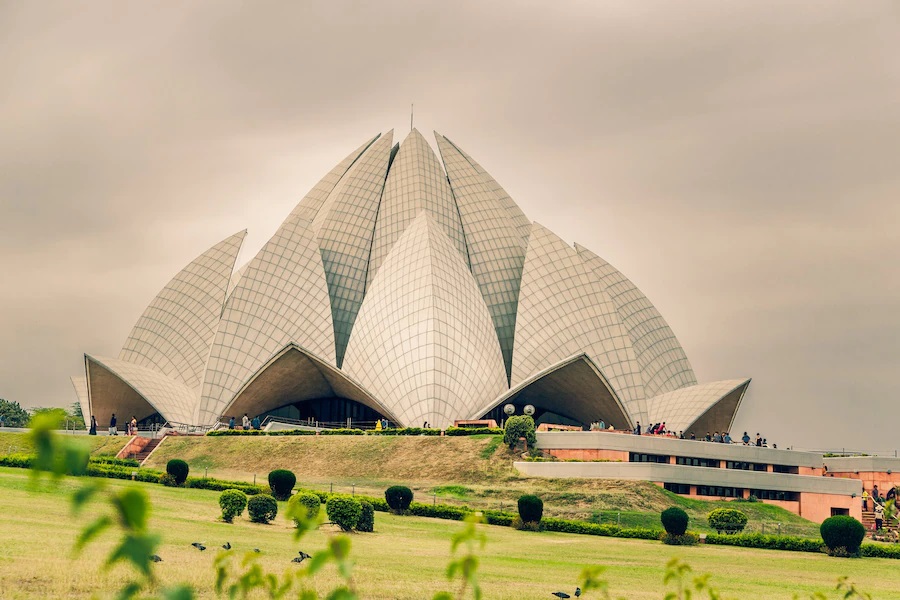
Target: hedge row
x=450 y=431
x=769 y=542
x=879 y=551
x=24 y=461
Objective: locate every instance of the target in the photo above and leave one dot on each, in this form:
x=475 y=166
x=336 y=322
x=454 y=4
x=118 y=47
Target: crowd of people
x=246 y=423
x=660 y=429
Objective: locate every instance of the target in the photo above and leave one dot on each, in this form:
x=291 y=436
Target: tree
x=13 y=414
x=520 y=426
x=58 y=415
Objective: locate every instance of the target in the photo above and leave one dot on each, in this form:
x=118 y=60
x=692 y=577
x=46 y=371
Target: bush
x=518 y=523
x=219 y=485
x=769 y=542
x=262 y=508
x=232 y=503
x=727 y=520
x=531 y=509
x=520 y=426
x=165 y=479
x=282 y=483
x=398 y=498
x=344 y=511
x=366 y=517
x=304 y=507
x=675 y=520
x=178 y=469
x=842 y=532
x=684 y=539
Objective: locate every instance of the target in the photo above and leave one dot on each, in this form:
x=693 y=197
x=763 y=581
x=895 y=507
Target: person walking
x=865 y=498
x=112 y=425
x=879 y=516
x=231 y=423
x=245 y=422
x=133 y=425
x=93 y=429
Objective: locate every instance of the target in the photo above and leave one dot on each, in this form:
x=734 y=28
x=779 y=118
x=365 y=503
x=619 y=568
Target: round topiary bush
x=842 y=535
x=674 y=520
x=521 y=426
x=366 y=517
x=178 y=469
x=262 y=508
x=343 y=511
x=232 y=503
x=304 y=507
x=531 y=508
x=398 y=498
x=727 y=520
x=282 y=483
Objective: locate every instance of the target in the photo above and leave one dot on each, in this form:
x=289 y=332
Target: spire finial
x=411 y=117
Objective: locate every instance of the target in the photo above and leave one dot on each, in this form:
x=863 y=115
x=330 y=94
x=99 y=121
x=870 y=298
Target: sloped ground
x=19 y=443
x=476 y=471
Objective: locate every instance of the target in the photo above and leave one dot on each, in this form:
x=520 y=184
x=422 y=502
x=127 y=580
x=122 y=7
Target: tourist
x=865 y=498
x=876 y=496
x=891 y=495
x=255 y=423
x=245 y=422
x=879 y=516
x=717 y=438
x=727 y=438
x=93 y=429
x=708 y=437
x=746 y=439
x=662 y=428
x=231 y=423
x=601 y=425
x=693 y=437
x=133 y=425
x=680 y=435
x=112 y=425
x=637 y=428
x=758 y=440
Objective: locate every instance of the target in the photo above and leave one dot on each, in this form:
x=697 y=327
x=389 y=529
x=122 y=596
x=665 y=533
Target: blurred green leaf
x=130 y=590
x=136 y=549
x=91 y=531
x=181 y=592
x=82 y=495
x=133 y=508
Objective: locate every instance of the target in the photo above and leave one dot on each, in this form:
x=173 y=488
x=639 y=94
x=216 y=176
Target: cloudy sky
x=739 y=161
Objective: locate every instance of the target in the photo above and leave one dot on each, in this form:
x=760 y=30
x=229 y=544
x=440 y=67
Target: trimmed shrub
x=219 y=485
x=684 y=539
x=178 y=469
x=519 y=426
x=531 y=509
x=262 y=508
x=282 y=483
x=770 y=542
x=842 y=535
x=675 y=520
x=165 y=479
x=232 y=503
x=398 y=498
x=727 y=520
x=344 y=511
x=366 y=517
x=304 y=506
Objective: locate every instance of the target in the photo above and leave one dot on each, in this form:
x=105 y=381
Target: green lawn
x=404 y=558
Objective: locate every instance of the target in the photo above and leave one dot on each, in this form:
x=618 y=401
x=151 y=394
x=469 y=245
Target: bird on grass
x=227 y=545
x=561 y=594
x=256 y=550
x=299 y=559
x=155 y=558
x=577 y=592
x=197 y=544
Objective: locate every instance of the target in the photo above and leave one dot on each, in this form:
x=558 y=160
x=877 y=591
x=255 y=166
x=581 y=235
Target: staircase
x=868 y=521
x=143 y=454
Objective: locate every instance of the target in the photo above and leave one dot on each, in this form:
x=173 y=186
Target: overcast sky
x=739 y=161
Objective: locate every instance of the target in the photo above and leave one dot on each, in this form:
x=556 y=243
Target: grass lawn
x=404 y=558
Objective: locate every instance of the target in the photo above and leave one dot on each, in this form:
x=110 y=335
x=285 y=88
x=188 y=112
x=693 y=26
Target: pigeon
x=561 y=595
x=303 y=556
x=227 y=545
x=577 y=592
x=256 y=550
x=155 y=558
x=297 y=559
x=201 y=547
x=197 y=544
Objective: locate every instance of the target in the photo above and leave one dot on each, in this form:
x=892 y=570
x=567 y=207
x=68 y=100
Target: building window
x=653 y=458
x=678 y=488
x=785 y=469
x=720 y=492
x=744 y=466
x=839 y=511
x=776 y=495
x=696 y=462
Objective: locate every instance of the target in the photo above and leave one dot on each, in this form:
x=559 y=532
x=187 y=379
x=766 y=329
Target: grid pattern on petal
x=345 y=226
x=424 y=343
x=523 y=225
x=282 y=298
x=664 y=365
x=174 y=334
x=308 y=207
x=174 y=400
x=564 y=310
x=416 y=183
x=81 y=391
x=496 y=249
x=681 y=407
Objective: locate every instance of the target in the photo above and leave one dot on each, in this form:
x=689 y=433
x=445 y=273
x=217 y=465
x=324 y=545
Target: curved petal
x=664 y=365
x=563 y=311
x=294 y=375
x=573 y=387
x=496 y=249
x=84 y=400
x=174 y=333
x=282 y=298
x=699 y=408
x=424 y=342
x=124 y=388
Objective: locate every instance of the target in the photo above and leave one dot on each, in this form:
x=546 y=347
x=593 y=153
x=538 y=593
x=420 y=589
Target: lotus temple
x=406 y=285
